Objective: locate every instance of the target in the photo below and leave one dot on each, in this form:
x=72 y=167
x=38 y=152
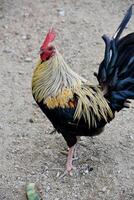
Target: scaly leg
x=70 y=158
x=69 y=165
x=72 y=153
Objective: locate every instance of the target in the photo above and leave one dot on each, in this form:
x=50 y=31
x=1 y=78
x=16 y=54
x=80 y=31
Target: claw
x=72 y=156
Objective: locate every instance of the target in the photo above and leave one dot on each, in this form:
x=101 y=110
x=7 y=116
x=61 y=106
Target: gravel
x=28 y=153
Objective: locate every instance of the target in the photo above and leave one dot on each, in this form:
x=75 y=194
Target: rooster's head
x=47 y=50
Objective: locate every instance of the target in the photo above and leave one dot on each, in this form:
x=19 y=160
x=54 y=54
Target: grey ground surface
x=28 y=153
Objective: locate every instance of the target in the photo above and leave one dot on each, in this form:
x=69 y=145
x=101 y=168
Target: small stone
x=62 y=21
x=2 y=176
x=58 y=174
x=34 y=104
x=90 y=169
x=5 y=26
x=16 y=33
x=7 y=51
x=23 y=37
x=48 y=188
x=86 y=171
x=16 y=166
x=31 y=120
x=32 y=173
x=85 y=20
x=61 y=12
x=123 y=191
x=131 y=137
x=18 y=178
x=104 y=189
x=20 y=73
x=28 y=59
x=26 y=14
x=71 y=173
x=73 y=22
x=26 y=37
x=46 y=167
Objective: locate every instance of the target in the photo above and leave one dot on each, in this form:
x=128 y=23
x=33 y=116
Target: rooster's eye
x=50 y=48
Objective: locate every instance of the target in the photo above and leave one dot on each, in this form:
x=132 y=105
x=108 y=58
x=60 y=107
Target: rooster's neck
x=54 y=77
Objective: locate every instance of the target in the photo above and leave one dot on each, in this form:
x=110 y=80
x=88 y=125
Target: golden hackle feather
x=55 y=83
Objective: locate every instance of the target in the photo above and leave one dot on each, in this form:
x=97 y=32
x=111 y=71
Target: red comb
x=49 y=38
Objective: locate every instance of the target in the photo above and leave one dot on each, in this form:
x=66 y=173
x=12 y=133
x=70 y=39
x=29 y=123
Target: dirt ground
x=28 y=153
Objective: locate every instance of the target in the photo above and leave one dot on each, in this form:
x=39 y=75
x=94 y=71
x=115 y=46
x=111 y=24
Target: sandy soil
x=28 y=153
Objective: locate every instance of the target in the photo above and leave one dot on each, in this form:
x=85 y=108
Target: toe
x=69 y=168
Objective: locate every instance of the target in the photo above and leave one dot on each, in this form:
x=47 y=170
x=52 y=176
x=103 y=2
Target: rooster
x=73 y=105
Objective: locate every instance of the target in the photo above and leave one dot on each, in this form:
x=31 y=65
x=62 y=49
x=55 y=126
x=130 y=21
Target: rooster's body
x=75 y=107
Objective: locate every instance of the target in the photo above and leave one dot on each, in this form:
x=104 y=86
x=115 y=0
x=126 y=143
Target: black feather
x=63 y=121
x=116 y=72
x=123 y=23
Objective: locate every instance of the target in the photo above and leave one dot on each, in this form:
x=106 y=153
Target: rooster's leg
x=69 y=164
x=72 y=155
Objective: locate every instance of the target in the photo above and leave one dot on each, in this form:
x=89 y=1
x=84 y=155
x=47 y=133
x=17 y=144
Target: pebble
x=73 y=22
x=16 y=33
x=16 y=166
x=85 y=21
x=48 y=188
x=119 y=171
x=86 y=171
x=63 y=21
x=7 y=50
x=90 y=168
x=28 y=59
x=34 y=104
x=46 y=167
x=26 y=15
x=20 y=73
x=2 y=176
x=58 y=174
x=26 y=37
x=123 y=191
x=32 y=173
x=18 y=178
x=5 y=26
x=31 y=120
x=104 y=189
x=93 y=158
x=131 y=137
x=61 y=12
x=127 y=177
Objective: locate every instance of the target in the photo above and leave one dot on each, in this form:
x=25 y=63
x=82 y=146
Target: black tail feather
x=116 y=72
x=123 y=23
x=125 y=41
